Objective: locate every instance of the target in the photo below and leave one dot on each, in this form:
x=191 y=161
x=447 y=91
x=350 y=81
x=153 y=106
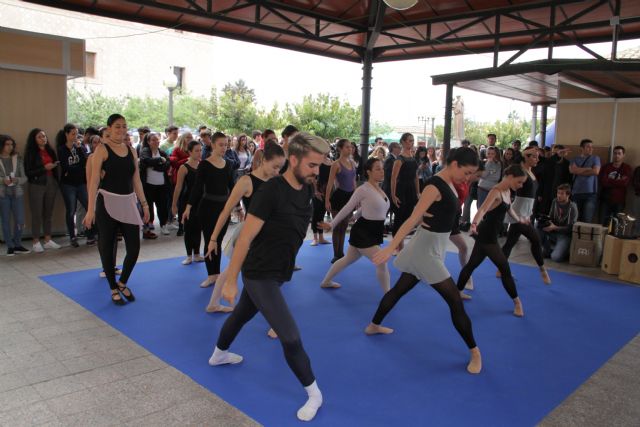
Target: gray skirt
x=523 y=207
x=424 y=256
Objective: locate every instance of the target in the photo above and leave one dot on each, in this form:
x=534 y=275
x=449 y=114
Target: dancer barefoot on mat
x=366 y=234
x=492 y=212
x=423 y=257
x=245 y=187
x=273 y=232
x=523 y=206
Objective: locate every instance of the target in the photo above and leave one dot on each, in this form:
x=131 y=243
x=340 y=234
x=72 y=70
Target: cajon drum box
x=630 y=261
x=611 y=254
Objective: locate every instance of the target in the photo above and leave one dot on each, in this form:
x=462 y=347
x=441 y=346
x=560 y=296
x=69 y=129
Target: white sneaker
x=173 y=226
x=38 y=247
x=51 y=245
x=165 y=230
x=198 y=258
x=186 y=261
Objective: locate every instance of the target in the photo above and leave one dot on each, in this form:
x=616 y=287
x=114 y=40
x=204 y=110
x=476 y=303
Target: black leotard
x=491 y=224
x=443 y=210
x=255 y=183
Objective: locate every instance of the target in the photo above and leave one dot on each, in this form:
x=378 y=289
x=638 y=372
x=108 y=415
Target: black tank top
x=443 y=210
x=255 y=183
x=491 y=224
x=118 y=172
x=189 y=182
x=528 y=189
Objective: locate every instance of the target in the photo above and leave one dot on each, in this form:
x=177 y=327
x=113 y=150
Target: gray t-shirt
x=8 y=165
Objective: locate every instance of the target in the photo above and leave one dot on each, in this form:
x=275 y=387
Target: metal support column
x=534 y=122
x=448 y=109
x=367 y=68
x=543 y=126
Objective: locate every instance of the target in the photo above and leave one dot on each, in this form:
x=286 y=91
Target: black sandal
x=129 y=297
x=119 y=301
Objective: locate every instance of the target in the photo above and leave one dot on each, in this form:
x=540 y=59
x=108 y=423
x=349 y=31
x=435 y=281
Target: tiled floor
x=60 y=365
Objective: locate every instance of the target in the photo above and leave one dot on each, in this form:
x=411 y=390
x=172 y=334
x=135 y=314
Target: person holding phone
x=41 y=166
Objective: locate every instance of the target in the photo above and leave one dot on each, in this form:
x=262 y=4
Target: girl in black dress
x=405 y=186
x=214 y=181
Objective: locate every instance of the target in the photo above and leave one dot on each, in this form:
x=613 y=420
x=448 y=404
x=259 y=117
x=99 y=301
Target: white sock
x=223 y=357
x=308 y=411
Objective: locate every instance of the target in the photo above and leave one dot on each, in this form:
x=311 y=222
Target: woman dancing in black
x=492 y=213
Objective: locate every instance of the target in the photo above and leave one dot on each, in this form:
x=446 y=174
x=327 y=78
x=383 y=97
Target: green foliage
x=236 y=110
x=377 y=128
x=90 y=108
x=506 y=131
x=325 y=116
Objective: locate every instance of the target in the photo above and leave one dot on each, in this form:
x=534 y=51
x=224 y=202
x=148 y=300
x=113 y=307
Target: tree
x=90 y=108
x=325 y=116
x=236 y=109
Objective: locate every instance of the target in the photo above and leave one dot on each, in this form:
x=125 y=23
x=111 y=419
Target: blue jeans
x=555 y=245
x=482 y=195
x=72 y=194
x=12 y=207
x=587 y=203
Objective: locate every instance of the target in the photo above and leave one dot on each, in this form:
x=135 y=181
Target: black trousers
x=208 y=214
x=158 y=195
x=108 y=229
x=318 y=215
x=265 y=296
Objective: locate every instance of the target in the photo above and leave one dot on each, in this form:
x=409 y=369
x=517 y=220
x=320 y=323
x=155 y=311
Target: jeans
x=554 y=244
x=482 y=195
x=72 y=194
x=586 y=206
x=12 y=207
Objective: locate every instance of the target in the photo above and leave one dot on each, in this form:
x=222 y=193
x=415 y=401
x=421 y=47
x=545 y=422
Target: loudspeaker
x=611 y=254
x=630 y=261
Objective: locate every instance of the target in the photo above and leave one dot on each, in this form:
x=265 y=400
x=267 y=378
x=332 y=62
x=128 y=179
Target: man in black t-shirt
x=266 y=249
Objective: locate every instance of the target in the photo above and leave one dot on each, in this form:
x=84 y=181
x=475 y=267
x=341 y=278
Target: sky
x=402 y=91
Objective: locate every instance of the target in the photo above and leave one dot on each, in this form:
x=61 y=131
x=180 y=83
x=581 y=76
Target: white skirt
x=522 y=206
x=424 y=256
x=231 y=243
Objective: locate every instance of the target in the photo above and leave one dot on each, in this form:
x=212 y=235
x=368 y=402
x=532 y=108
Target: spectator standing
x=585 y=169
x=167 y=144
x=154 y=167
x=12 y=180
x=614 y=179
x=491 y=175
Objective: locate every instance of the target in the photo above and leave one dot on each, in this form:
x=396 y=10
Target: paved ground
x=60 y=365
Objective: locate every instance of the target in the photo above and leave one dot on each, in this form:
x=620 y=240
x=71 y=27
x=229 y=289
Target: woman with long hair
x=184 y=185
x=491 y=175
x=245 y=187
x=42 y=168
x=244 y=156
x=12 y=180
x=424 y=166
x=114 y=192
x=214 y=182
x=179 y=156
x=423 y=257
x=340 y=187
x=405 y=186
x=73 y=161
x=486 y=226
x=154 y=173
x=367 y=233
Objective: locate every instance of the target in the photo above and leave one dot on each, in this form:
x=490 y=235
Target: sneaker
x=187 y=261
x=21 y=250
x=74 y=243
x=152 y=227
x=10 y=252
x=37 y=247
x=198 y=258
x=149 y=235
x=51 y=245
x=313 y=243
x=91 y=242
x=165 y=230
x=172 y=226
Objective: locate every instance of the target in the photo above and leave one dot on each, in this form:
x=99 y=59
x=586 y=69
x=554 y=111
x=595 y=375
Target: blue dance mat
x=413 y=377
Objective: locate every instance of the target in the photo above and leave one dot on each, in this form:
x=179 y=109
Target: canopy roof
x=346 y=29
x=537 y=82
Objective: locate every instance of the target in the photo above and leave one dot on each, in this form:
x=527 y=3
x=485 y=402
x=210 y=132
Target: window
x=90 y=64
x=179 y=72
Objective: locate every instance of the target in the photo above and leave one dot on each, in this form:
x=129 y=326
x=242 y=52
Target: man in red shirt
x=614 y=178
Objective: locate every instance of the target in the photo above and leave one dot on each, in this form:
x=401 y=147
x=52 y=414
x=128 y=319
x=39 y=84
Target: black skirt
x=366 y=233
x=339 y=198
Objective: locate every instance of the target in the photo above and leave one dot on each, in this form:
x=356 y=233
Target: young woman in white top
x=367 y=233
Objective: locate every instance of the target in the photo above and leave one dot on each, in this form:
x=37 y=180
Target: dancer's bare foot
x=545 y=276
x=469 y=285
x=330 y=285
x=218 y=309
x=206 y=283
x=464 y=296
x=272 y=334
x=475 y=364
x=498 y=274
x=373 y=329
x=517 y=308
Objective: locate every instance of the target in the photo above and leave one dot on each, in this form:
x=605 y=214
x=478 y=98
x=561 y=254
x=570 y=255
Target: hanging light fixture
x=401 y=4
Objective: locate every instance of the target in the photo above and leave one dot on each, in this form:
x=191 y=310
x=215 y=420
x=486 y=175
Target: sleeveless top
x=346 y=178
x=189 y=182
x=118 y=172
x=407 y=178
x=443 y=210
x=255 y=183
x=529 y=188
x=491 y=224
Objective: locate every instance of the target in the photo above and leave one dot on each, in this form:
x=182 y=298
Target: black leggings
x=478 y=254
x=208 y=214
x=108 y=229
x=265 y=296
x=318 y=215
x=338 y=235
x=447 y=291
x=192 y=230
x=517 y=229
x=158 y=195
